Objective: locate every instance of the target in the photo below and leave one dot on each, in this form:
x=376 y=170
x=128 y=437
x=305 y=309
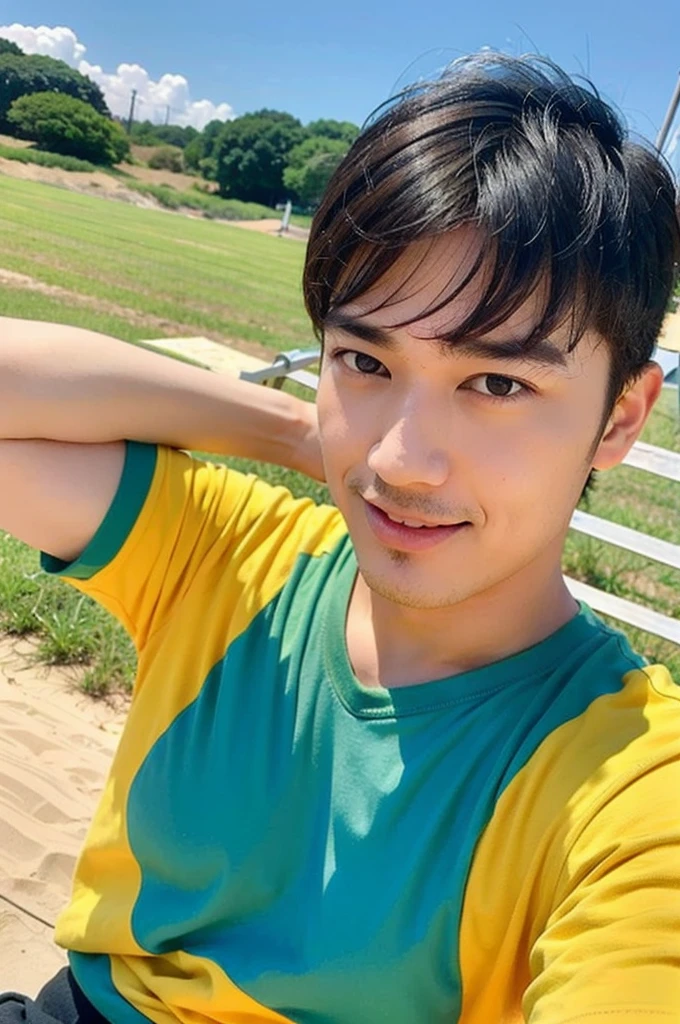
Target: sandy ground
x=56 y=745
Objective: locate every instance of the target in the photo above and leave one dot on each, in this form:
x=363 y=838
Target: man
x=379 y=765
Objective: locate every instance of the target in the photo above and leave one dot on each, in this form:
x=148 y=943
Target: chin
x=408 y=593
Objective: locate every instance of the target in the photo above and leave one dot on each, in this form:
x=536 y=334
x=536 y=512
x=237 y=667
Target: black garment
x=61 y=1001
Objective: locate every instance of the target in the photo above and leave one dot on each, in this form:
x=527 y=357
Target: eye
x=360 y=362
x=495 y=385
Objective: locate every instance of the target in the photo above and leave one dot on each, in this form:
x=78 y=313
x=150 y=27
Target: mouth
x=414 y=522
x=404 y=533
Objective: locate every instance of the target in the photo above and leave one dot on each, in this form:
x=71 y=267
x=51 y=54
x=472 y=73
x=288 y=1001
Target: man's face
x=492 y=447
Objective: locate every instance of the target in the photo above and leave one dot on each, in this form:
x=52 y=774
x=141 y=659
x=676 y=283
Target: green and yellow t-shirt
x=276 y=842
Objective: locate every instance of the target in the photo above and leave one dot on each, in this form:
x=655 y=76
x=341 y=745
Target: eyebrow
x=544 y=352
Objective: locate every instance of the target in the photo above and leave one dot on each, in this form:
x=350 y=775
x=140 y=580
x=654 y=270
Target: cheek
x=332 y=420
x=338 y=440
x=536 y=465
x=342 y=424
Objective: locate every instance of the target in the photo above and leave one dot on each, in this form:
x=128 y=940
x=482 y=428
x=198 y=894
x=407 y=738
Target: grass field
x=138 y=274
x=163 y=273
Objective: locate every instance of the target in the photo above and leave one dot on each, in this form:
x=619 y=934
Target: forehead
x=434 y=286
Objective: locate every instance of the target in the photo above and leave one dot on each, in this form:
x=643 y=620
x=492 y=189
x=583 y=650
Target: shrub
x=211 y=206
x=43 y=159
x=65 y=125
x=167 y=158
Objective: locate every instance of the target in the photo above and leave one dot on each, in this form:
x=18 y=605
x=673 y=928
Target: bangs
x=564 y=207
x=503 y=278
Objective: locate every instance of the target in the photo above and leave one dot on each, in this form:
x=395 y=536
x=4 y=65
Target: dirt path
x=95 y=183
x=171 y=328
x=11 y=279
x=106 y=186
x=272 y=227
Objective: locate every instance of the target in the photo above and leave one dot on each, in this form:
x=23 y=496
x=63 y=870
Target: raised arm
x=66 y=384
x=69 y=399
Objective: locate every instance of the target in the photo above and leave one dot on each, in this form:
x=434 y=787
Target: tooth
x=407 y=522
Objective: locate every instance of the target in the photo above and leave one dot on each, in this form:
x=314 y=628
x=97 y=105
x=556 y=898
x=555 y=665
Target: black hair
x=544 y=168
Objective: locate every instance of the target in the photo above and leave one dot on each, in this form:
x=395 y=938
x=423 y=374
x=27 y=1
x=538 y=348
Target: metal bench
x=649 y=458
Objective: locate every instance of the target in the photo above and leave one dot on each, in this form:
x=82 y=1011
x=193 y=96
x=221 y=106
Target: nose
x=411 y=450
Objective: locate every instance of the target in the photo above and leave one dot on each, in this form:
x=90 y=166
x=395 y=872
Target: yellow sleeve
x=610 y=951
x=176 y=524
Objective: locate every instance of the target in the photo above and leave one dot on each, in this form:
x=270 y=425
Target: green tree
x=145 y=133
x=62 y=124
x=21 y=76
x=345 y=131
x=176 y=134
x=250 y=154
x=310 y=166
x=193 y=153
x=200 y=152
x=7 y=46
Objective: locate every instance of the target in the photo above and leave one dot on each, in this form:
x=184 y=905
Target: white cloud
x=153 y=98
x=59 y=42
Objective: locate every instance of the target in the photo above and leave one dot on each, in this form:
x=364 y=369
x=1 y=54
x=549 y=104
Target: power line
x=158 y=118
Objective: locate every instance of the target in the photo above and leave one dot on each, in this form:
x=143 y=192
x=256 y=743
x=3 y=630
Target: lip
x=407 y=538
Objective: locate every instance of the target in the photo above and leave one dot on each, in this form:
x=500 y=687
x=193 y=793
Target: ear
x=628 y=417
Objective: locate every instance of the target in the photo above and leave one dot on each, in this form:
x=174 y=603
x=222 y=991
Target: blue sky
x=340 y=60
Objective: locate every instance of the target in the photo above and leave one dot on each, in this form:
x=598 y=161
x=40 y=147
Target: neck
x=392 y=645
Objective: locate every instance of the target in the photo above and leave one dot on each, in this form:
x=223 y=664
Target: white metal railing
x=649 y=458
x=287 y=365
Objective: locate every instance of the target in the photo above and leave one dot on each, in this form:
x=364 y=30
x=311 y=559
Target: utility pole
x=167 y=114
x=668 y=120
x=132 y=110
